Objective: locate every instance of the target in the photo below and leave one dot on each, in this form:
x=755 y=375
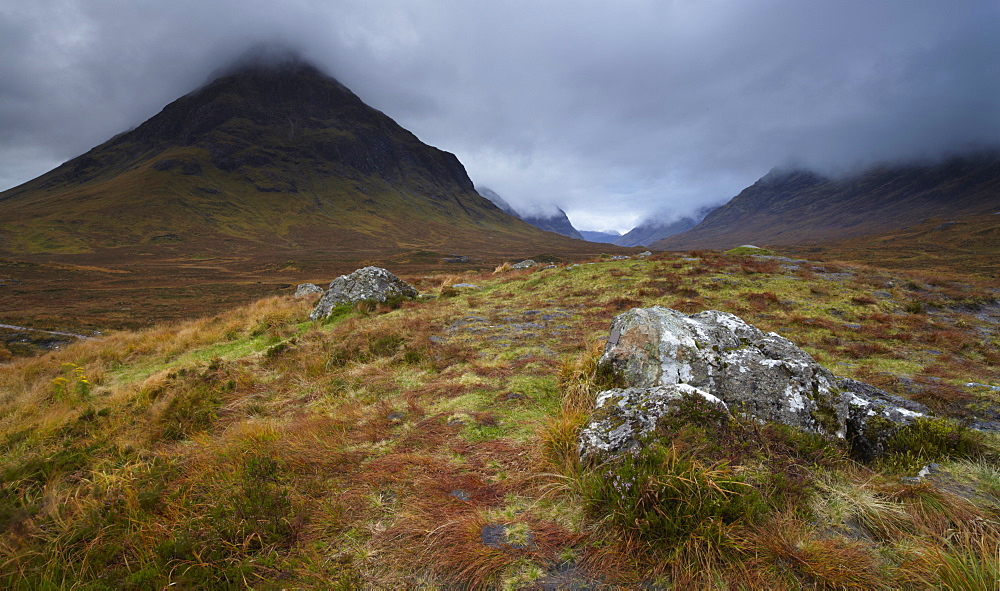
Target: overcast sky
x=613 y=110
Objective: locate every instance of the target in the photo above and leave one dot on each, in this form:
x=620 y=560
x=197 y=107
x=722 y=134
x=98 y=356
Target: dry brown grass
x=789 y=544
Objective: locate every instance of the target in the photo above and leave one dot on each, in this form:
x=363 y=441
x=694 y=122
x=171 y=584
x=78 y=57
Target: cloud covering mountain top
x=613 y=111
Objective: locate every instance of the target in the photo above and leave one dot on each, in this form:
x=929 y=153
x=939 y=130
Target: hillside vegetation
x=265 y=163
x=434 y=444
x=801 y=207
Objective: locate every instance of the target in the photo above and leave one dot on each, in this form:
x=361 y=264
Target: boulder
x=526 y=264
x=761 y=374
x=623 y=416
x=373 y=284
x=305 y=289
x=874 y=416
x=720 y=357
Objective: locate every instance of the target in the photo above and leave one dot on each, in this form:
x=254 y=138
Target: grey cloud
x=612 y=111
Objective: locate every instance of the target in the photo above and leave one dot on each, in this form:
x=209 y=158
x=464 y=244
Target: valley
x=170 y=416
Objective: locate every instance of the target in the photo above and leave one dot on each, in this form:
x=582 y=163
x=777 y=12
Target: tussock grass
x=255 y=448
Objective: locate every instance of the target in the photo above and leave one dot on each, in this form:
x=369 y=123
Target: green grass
x=256 y=448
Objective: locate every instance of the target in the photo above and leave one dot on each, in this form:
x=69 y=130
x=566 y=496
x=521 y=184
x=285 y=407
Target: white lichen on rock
x=662 y=353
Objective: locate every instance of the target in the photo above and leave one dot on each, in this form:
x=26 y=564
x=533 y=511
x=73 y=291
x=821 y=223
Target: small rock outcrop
x=662 y=353
x=526 y=264
x=622 y=416
x=368 y=284
x=874 y=416
x=305 y=289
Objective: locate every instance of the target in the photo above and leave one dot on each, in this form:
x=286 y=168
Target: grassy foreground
x=434 y=444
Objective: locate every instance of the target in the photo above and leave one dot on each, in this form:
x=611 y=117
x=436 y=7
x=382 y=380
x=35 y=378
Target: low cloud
x=612 y=112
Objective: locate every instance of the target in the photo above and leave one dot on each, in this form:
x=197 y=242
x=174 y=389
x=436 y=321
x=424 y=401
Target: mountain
x=556 y=222
x=273 y=159
x=497 y=200
x=787 y=207
x=602 y=237
x=653 y=229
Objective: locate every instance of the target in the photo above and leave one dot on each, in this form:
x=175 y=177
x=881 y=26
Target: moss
x=905 y=449
x=747 y=251
x=825 y=413
x=691 y=410
x=607 y=377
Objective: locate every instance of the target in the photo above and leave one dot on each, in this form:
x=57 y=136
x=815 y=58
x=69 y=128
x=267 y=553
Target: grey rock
x=763 y=375
x=720 y=357
x=526 y=264
x=622 y=417
x=465 y=286
x=928 y=470
x=874 y=416
x=367 y=284
x=978 y=385
x=644 y=254
x=305 y=289
x=500 y=536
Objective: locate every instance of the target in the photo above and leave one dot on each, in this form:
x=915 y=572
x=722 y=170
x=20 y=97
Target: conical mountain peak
x=272 y=155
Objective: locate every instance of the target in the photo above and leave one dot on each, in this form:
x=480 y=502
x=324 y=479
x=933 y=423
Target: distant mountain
x=556 y=222
x=272 y=158
x=788 y=207
x=651 y=230
x=497 y=200
x=603 y=237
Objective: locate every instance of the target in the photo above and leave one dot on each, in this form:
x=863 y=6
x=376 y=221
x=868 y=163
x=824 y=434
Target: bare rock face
x=663 y=354
x=875 y=416
x=622 y=416
x=762 y=374
x=368 y=284
x=306 y=289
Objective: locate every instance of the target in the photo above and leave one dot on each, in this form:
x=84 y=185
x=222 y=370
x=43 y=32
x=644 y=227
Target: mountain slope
x=556 y=222
x=497 y=200
x=649 y=232
x=269 y=159
x=802 y=207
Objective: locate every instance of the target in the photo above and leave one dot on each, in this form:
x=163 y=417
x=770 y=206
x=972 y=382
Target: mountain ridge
x=796 y=206
x=557 y=222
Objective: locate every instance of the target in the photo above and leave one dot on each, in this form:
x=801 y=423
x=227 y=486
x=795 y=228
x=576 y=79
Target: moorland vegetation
x=434 y=442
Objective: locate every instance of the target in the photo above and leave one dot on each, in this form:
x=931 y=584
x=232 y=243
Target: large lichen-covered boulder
x=761 y=374
x=373 y=284
x=663 y=354
x=623 y=416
